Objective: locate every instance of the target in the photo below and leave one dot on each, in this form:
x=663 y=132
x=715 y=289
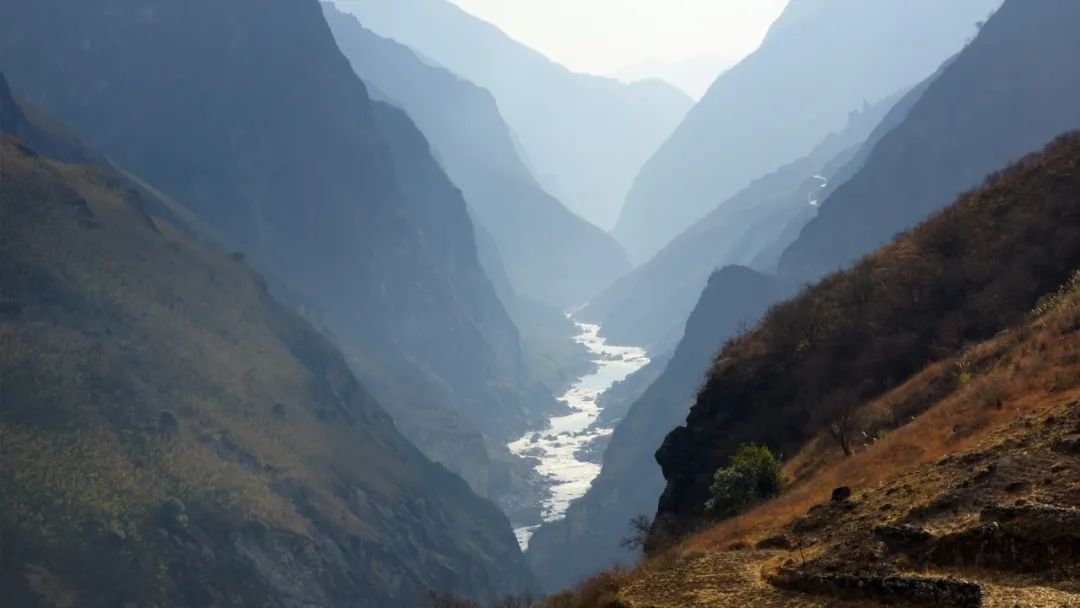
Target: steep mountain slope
x=786 y=97
x=650 y=305
x=551 y=255
x=277 y=147
x=1007 y=94
x=170 y=435
x=971 y=501
x=588 y=539
x=971 y=271
x=586 y=137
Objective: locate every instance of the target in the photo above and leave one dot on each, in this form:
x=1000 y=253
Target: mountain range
x=550 y=254
x=584 y=137
x=779 y=102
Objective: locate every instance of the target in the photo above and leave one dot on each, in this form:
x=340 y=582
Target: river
x=567 y=477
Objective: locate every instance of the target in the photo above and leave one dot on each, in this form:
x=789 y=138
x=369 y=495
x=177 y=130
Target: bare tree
x=842 y=428
x=639 y=533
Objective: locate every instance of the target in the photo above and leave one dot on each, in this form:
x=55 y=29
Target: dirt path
x=717 y=579
x=733 y=580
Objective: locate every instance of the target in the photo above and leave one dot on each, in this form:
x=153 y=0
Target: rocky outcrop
x=905 y=589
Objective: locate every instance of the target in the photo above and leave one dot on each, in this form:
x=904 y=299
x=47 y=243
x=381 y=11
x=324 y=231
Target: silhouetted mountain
x=819 y=60
x=585 y=137
x=1008 y=93
x=170 y=435
x=588 y=540
x=692 y=76
x=650 y=305
x=263 y=130
x=550 y=254
x=974 y=269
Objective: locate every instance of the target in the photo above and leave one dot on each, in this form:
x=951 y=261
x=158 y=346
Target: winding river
x=556 y=447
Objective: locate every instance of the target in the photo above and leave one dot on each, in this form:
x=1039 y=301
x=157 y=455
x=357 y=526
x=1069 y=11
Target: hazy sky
x=606 y=36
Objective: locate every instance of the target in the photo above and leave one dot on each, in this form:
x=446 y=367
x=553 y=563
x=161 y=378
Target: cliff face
x=784 y=98
x=550 y=254
x=171 y=435
x=263 y=131
x=1006 y=94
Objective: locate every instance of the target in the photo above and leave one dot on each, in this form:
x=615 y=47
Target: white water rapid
x=556 y=446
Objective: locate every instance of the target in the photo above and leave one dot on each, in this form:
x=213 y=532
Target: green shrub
x=752 y=476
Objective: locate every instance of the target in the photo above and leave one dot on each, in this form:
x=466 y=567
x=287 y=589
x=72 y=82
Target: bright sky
x=607 y=36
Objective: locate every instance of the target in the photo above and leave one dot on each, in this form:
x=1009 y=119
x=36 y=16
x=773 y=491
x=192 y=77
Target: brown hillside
x=975 y=269
x=973 y=502
x=170 y=436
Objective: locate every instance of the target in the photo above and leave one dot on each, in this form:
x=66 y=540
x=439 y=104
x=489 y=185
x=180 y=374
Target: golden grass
x=145 y=320
x=1031 y=368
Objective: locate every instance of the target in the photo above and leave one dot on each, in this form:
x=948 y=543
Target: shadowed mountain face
x=550 y=254
x=1008 y=93
x=819 y=61
x=263 y=130
x=564 y=552
x=585 y=137
x=650 y=305
x=170 y=435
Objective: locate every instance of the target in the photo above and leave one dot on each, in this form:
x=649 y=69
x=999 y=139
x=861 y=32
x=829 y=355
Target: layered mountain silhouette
x=280 y=150
x=550 y=254
x=819 y=61
x=1005 y=80
x=651 y=304
x=1007 y=94
x=585 y=137
x=171 y=435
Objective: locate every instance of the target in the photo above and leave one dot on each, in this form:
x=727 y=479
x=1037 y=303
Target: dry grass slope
x=973 y=270
x=966 y=469
x=169 y=435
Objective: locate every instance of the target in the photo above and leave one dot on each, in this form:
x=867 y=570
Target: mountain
x=588 y=540
x=585 y=137
x=958 y=506
x=1005 y=95
x=650 y=305
x=971 y=271
x=692 y=76
x=550 y=254
x=786 y=97
x=171 y=435
x=279 y=149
